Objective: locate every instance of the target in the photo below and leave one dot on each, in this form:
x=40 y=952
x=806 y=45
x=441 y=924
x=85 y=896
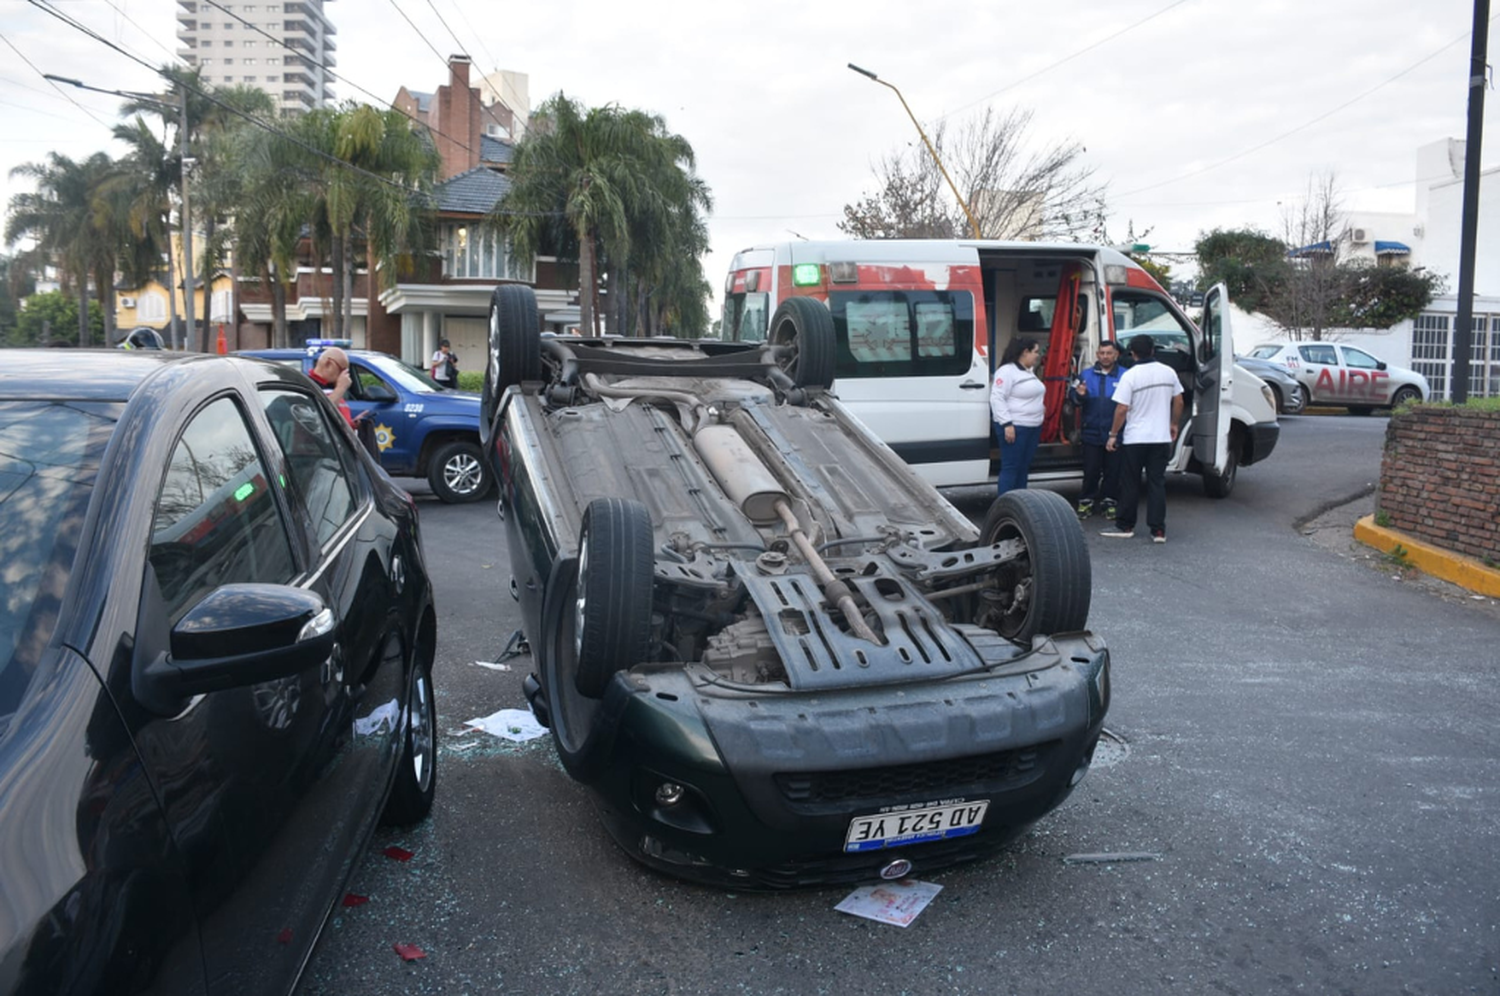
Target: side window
x=1360 y=359
x=363 y=378
x=1140 y=313
x=1319 y=354
x=316 y=458
x=902 y=333
x=216 y=521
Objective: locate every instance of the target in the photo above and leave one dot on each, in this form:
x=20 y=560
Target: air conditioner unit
x=1418 y=231
x=1358 y=236
x=127 y=302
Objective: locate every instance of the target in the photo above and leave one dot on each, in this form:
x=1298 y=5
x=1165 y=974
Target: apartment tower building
x=285 y=49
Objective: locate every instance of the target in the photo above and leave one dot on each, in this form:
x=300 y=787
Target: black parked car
x=777 y=655
x=216 y=645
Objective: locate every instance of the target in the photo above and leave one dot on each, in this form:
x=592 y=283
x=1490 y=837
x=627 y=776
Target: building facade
x=285 y=49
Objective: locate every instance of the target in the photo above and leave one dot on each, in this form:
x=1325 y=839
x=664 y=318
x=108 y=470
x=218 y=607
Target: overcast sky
x=1196 y=113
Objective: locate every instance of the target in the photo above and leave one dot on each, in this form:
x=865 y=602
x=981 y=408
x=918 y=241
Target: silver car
x=1335 y=374
x=1291 y=397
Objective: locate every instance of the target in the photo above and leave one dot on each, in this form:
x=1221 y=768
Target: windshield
x=1265 y=352
x=410 y=378
x=49 y=457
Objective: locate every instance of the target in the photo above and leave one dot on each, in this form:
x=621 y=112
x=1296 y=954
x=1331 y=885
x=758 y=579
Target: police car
x=423 y=429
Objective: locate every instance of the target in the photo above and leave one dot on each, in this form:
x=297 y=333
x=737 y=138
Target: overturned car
x=777 y=656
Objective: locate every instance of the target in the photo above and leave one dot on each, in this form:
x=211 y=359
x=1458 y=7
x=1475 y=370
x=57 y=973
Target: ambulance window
x=902 y=333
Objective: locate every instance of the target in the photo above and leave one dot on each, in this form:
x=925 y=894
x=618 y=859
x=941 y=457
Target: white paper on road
x=890 y=902
x=511 y=724
x=492 y=665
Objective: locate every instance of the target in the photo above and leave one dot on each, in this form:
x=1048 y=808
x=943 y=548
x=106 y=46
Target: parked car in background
x=1335 y=374
x=776 y=654
x=1291 y=396
x=423 y=429
x=216 y=649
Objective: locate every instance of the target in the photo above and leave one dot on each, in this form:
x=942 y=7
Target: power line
x=494 y=63
x=59 y=89
x=1306 y=124
x=342 y=79
x=1064 y=60
x=420 y=35
x=151 y=35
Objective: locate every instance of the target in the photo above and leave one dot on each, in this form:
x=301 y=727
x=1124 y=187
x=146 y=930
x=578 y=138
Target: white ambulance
x=920 y=324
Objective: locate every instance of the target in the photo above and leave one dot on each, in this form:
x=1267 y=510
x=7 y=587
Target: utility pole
x=187 y=227
x=1463 y=335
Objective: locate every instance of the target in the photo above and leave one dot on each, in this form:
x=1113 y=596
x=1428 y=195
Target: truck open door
x=1212 y=387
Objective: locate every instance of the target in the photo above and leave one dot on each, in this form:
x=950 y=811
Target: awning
x=1392 y=248
x=1316 y=249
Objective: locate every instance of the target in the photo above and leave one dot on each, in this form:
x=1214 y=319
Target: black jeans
x=1101 y=473
x=1152 y=458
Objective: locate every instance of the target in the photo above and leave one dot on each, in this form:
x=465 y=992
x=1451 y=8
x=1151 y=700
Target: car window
x=216 y=521
x=1319 y=354
x=49 y=456
x=1360 y=359
x=363 y=378
x=409 y=378
x=316 y=456
x=1265 y=352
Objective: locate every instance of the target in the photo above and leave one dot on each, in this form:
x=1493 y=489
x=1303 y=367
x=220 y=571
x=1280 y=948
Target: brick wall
x=1440 y=478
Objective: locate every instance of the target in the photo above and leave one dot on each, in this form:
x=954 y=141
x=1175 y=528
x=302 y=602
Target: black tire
x=612 y=612
x=1298 y=401
x=458 y=473
x=1221 y=485
x=514 y=350
x=1049 y=588
x=1405 y=395
x=1360 y=409
x=802 y=336
x=416 y=775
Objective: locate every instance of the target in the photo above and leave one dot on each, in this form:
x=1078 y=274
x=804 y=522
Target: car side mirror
x=378 y=393
x=1380 y=364
x=242 y=634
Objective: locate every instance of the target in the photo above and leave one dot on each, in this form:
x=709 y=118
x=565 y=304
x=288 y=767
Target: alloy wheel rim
x=461 y=474
x=422 y=733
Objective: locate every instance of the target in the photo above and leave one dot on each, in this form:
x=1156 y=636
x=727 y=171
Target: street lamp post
x=187 y=227
x=973 y=225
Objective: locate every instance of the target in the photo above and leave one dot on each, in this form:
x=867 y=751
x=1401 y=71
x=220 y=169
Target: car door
x=1319 y=371
x=1213 y=383
x=373 y=396
x=1367 y=378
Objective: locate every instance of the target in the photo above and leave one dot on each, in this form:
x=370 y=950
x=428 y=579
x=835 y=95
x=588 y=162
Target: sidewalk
x=1344 y=529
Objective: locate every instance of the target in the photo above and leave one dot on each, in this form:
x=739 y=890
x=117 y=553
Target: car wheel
x=1220 y=485
x=1406 y=395
x=1047 y=589
x=612 y=611
x=802 y=340
x=1276 y=395
x=1360 y=409
x=514 y=349
x=416 y=778
x=1298 y=400
x=457 y=473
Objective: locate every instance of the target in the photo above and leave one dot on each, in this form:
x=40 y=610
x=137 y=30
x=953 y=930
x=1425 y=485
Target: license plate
x=915 y=826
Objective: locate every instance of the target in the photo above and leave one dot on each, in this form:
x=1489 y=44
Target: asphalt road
x=1309 y=753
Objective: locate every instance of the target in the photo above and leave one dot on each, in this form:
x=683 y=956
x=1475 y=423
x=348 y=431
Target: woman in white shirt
x=1017 y=404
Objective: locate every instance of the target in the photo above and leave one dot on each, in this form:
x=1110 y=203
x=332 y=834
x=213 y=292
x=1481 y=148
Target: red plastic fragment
x=354 y=899
x=285 y=937
x=409 y=952
x=397 y=853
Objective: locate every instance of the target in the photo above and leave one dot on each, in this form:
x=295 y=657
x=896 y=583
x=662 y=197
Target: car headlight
x=1265 y=392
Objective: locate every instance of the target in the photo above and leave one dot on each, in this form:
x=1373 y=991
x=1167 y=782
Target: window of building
x=1429 y=350
x=151 y=307
x=478 y=252
x=228 y=25
x=228 y=62
x=248 y=62
x=207 y=43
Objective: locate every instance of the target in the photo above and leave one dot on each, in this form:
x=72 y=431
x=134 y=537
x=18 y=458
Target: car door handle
x=971 y=386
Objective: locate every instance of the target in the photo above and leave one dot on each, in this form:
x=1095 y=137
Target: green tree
x=1249 y=263
x=585 y=182
x=70 y=223
x=15 y=284
x=1380 y=296
x=52 y=317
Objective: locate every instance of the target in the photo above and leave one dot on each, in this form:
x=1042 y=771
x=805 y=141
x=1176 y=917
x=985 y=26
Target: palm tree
x=69 y=221
x=143 y=187
x=274 y=205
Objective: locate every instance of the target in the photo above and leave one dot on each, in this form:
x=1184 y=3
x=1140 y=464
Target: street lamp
x=973 y=225
x=187 y=226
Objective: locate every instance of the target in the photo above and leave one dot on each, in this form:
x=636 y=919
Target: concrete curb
x=1466 y=572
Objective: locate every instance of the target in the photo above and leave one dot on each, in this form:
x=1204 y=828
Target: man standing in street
x=1148 y=408
x=445 y=366
x=1096 y=399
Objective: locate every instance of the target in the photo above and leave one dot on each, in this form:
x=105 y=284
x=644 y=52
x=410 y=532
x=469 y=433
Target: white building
x=1430 y=237
x=285 y=49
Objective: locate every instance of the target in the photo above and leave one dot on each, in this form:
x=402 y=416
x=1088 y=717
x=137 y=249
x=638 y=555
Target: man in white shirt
x=1148 y=408
x=445 y=366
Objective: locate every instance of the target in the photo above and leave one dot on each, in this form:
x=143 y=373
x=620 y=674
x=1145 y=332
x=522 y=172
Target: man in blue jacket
x=1095 y=392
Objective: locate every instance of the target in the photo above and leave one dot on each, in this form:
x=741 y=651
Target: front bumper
x=1261 y=441
x=766 y=784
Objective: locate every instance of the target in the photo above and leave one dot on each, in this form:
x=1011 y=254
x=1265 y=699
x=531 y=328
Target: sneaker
x=1158 y=536
x=1085 y=508
x=1109 y=509
x=1117 y=533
